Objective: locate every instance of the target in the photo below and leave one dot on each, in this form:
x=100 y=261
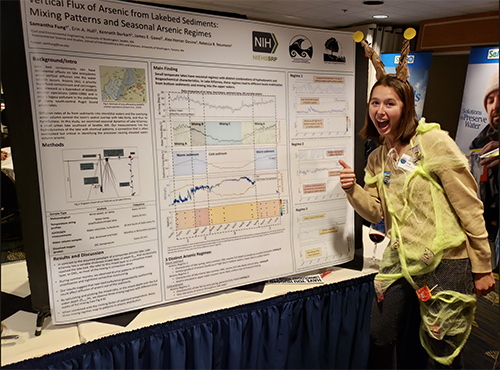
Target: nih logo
x=410 y=59
x=492 y=54
x=264 y=42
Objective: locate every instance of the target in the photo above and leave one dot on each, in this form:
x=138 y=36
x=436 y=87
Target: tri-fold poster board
x=182 y=153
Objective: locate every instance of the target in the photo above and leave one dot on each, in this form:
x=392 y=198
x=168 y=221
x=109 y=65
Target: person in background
x=419 y=182
x=487 y=140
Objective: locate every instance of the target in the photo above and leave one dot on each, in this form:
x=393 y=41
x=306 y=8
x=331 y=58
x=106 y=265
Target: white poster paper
x=181 y=154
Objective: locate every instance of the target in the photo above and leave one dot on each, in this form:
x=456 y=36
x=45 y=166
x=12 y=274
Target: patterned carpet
x=481 y=350
x=12 y=242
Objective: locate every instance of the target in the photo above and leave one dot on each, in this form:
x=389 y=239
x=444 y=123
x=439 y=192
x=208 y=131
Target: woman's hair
x=408 y=124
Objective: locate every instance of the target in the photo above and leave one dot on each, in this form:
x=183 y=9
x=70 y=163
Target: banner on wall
x=418 y=65
x=477 y=133
x=483 y=63
x=182 y=153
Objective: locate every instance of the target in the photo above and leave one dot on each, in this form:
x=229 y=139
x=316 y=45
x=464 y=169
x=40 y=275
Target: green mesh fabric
x=424 y=225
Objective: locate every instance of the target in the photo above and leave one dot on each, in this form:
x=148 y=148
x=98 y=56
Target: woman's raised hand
x=347 y=176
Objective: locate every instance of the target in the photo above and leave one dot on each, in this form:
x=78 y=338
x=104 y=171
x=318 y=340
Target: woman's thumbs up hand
x=347 y=176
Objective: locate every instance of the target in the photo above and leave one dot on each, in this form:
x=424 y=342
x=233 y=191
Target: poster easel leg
x=42 y=315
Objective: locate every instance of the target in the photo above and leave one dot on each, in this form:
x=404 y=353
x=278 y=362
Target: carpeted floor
x=12 y=241
x=482 y=348
x=12 y=250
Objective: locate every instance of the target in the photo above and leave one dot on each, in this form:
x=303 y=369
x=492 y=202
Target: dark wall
x=16 y=96
x=443 y=99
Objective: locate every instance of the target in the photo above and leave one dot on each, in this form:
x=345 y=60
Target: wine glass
x=377 y=235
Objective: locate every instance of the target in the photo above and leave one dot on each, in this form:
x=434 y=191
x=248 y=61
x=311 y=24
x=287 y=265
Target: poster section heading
x=121 y=28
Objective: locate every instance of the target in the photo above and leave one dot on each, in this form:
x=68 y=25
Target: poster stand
x=27 y=164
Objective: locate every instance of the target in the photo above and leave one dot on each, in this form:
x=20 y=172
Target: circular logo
x=300 y=49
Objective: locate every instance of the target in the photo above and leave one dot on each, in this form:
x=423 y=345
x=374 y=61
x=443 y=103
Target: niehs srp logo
x=300 y=49
x=264 y=42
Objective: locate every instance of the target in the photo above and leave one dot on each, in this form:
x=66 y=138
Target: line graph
x=318 y=85
x=204 y=104
x=321 y=115
x=320 y=106
x=321 y=234
x=228 y=187
x=203 y=191
x=319 y=164
x=213 y=133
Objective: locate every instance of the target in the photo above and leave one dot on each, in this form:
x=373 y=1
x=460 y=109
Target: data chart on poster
x=223 y=165
x=321 y=132
x=320 y=106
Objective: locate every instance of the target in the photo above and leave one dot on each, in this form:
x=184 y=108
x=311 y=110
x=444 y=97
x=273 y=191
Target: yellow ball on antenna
x=410 y=33
x=358 y=36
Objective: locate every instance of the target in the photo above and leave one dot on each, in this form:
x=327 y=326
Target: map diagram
x=125 y=85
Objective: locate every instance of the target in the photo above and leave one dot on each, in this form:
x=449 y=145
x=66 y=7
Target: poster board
x=181 y=154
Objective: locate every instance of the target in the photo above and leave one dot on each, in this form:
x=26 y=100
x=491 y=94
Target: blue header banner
x=483 y=55
x=415 y=60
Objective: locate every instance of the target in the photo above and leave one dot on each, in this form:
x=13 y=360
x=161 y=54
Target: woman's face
x=385 y=110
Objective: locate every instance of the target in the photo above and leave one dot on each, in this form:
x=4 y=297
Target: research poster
x=181 y=154
x=418 y=66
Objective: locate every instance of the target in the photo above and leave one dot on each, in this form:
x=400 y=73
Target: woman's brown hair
x=408 y=124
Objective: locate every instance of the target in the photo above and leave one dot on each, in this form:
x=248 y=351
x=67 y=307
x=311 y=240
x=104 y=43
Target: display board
x=181 y=153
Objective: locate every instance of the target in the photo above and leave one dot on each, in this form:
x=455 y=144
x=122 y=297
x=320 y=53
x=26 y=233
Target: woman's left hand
x=484 y=282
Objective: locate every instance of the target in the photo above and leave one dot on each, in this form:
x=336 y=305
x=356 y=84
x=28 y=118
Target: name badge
x=406 y=163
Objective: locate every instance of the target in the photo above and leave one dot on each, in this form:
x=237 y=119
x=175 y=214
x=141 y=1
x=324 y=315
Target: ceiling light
x=373 y=2
x=380 y=16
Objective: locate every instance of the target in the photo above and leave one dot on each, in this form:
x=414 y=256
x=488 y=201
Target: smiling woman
x=419 y=183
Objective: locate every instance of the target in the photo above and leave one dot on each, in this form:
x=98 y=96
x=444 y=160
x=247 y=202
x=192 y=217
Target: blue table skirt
x=326 y=327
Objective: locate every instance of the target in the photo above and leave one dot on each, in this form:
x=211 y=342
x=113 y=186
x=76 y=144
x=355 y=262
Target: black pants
x=394 y=330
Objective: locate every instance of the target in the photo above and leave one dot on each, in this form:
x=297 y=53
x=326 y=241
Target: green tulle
x=424 y=225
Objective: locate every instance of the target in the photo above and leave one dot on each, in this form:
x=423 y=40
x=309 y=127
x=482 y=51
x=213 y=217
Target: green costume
x=428 y=199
